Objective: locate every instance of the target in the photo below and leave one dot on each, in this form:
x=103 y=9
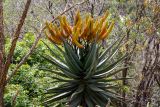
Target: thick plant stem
x=84 y=104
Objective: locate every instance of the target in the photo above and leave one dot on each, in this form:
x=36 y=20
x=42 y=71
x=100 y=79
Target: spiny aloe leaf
x=91 y=56
x=54 y=53
x=55 y=72
x=62 y=67
x=61 y=88
x=102 y=56
x=110 y=72
x=92 y=69
x=98 y=99
x=58 y=97
x=95 y=88
x=58 y=48
x=72 y=57
x=71 y=66
x=103 y=62
x=75 y=100
x=111 y=66
x=89 y=102
x=62 y=80
x=115 y=72
x=73 y=54
x=113 y=80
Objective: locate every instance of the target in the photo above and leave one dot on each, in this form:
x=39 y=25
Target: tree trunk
x=144 y=90
x=2 y=54
x=5 y=64
x=1 y=96
x=149 y=72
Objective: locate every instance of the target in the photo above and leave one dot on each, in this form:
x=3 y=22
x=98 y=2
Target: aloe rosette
x=85 y=70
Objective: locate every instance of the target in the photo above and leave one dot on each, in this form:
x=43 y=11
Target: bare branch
x=1 y=54
x=26 y=56
x=14 y=98
x=16 y=35
x=1 y=28
x=1 y=36
x=68 y=10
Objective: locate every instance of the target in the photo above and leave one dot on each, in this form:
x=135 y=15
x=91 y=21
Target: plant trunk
x=2 y=54
x=149 y=73
x=2 y=85
x=144 y=90
x=83 y=103
x=1 y=96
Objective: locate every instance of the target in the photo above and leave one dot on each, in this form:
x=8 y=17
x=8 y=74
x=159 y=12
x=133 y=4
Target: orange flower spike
x=58 y=33
x=53 y=32
x=111 y=27
x=67 y=27
x=63 y=26
x=91 y=24
x=102 y=20
x=74 y=30
x=77 y=17
x=87 y=18
x=108 y=30
x=61 y=22
x=75 y=38
x=56 y=40
x=100 y=25
x=77 y=29
x=105 y=16
x=95 y=28
x=86 y=28
x=104 y=29
x=79 y=26
x=63 y=33
x=50 y=29
x=58 y=36
x=77 y=33
x=90 y=35
x=56 y=29
x=64 y=19
x=96 y=23
x=52 y=39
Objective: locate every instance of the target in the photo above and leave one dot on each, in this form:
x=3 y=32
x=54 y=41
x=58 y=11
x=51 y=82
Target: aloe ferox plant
x=85 y=70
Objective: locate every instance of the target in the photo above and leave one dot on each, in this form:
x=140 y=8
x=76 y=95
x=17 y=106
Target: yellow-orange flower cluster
x=88 y=30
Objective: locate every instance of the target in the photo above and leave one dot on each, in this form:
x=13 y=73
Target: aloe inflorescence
x=86 y=70
x=82 y=31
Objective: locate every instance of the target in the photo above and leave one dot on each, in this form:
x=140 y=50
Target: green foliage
x=27 y=78
x=21 y=100
x=85 y=76
x=29 y=81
